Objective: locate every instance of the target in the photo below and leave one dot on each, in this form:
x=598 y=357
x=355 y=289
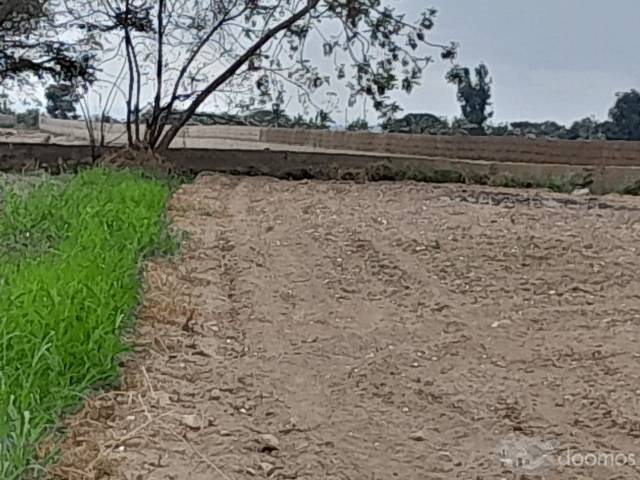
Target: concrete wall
x=247 y=134
x=77 y=128
x=197 y=136
x=498 y=149
x=489 y=149
x=345 y=166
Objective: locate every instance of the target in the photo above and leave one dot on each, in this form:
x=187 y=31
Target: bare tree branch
x=174 y=129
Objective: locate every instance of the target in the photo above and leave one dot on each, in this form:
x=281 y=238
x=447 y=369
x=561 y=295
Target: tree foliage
x=30 y=45
x=586 y=129
x=62 y=99
x=29 y=119
x=195 y=53
x=623 y=123
x=358 y=125
x=625 y=117
x=255 y=118
x=538 y=129
x=416 y=123
x=474 y=95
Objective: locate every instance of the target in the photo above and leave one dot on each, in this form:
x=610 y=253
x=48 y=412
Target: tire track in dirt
x=374 y=331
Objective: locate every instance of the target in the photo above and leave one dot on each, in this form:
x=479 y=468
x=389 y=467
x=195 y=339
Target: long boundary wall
x=343 y=166
x=489 y=149
x=492 y=149
x=115 y=133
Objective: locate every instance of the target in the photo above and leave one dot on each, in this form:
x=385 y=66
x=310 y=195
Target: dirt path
x=377 y=331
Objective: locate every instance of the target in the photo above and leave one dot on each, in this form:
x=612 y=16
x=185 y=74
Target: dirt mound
x=335 y=331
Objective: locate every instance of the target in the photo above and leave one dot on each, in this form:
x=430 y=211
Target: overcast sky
x=550 y=59
x=559 y=60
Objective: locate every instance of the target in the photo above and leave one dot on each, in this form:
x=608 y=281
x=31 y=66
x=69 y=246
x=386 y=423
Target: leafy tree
x=461 y=126
x=607 y=130
x=539 y=129
x=359 y=124
x=474 y=95
x=499 y=130
x=585 y=129
x=207 y=51
x=417 y=123
x=275 y=118
x=29 y=119
x=625 y=117
x=299 y=122
x=61 y=100
x=28 y=49
x=321 y=121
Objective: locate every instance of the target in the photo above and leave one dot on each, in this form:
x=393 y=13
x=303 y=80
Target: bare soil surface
x=316 y=330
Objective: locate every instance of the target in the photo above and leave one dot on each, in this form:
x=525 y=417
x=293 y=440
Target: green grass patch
x=70 y=257
x=25 y=183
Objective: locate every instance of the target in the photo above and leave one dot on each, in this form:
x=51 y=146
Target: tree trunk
x=173 y=131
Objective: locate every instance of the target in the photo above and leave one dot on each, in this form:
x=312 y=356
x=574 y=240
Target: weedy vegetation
x=70 y=257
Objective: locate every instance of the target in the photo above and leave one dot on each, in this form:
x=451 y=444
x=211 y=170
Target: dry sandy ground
x=336 y=331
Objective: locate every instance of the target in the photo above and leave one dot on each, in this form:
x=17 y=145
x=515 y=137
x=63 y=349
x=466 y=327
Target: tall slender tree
x=474 y=95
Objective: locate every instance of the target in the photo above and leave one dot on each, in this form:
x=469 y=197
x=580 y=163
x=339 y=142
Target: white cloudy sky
x=550 y=59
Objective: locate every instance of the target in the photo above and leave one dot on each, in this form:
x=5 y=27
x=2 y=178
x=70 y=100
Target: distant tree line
x=623 y=122
x=474 y=92
x=178 y=56
x=474 y=97
x=257 y=118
